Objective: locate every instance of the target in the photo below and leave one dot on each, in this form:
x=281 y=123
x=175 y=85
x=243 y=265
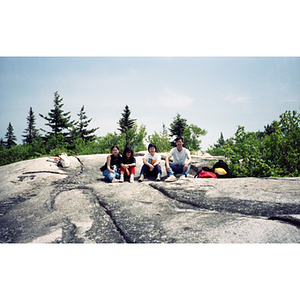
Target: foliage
x=58 y=120
x=191 y=136
x=79 y=128
x=189 y=133
x=30 y=133
x=21 y=152
x=177 y=128
x=217 y=148
x=274 y=152
x=161 y=140
x=126 y=124
x=10 y=137
x=134 y=135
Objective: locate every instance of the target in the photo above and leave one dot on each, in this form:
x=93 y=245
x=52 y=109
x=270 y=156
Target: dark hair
x=114 y=146
x=179 y=138
x=152 y=145
x=128 y=149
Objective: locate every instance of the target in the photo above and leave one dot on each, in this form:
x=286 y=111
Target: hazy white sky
x=217 y=65
x=217 y=94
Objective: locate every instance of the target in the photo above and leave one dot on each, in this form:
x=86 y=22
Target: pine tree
x=177 y=127
x=58 y=120
x=31 y=133
x=80 y=129
x=10 y=137
x=126 y=123
x=220 y=142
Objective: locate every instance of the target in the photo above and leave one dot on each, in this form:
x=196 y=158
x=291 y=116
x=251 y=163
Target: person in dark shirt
x=111 y=170
x=128 y=164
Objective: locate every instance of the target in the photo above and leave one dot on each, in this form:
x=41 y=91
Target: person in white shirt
x=151 y=164
x=181 y=161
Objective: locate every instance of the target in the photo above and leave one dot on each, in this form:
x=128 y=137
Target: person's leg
x=158 y=172
x=109 y=176
x=145 y=169
x=157 y=169
x=171 y=171
x=132 y=170
x=177 y=169
x=187 y=171
x=132 y=173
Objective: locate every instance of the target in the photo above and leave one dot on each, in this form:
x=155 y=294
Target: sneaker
x=114 y=180
x=182 y=177
x=122 y=178
x=141 y=178
x=131 y=178
x=171 y=178
x=158 y=177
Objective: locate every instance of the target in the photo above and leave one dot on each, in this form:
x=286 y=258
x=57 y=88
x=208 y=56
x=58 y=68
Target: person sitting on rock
x=151 y=164
x=128 y=164
x=112 y=166
x=181 y=161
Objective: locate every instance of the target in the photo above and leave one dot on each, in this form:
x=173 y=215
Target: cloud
x=171 y=98
x=237 y=99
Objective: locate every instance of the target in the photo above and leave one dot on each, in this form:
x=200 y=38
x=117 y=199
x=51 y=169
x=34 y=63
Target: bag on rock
x=65 y=160
x=205 y=172
x=221 y=169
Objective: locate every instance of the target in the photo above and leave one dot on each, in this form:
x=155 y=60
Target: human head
x=114 y=150
x=127 y=150
x=179 y=142
x=152 y=145
x=179 y=138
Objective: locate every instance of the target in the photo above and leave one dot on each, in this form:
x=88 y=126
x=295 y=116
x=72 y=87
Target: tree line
x=275 y=151
x=74 y=137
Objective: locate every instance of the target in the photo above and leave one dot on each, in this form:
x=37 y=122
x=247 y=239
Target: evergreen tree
x=2 y=144
x=220 y=142
x=10 y=137
x=31 y=133
x=80 y=129
x=126 y=123
x=58 y=120
x=177 y=128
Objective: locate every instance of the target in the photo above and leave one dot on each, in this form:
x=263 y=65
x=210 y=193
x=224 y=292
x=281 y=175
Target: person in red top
x=128 y=163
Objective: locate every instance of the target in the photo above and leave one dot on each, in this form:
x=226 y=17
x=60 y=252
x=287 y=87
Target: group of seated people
x=117 y=167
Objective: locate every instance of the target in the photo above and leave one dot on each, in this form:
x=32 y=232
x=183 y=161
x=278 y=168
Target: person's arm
x=148 y=164
x=133 y=164
x=167 y=163
x=157 y=161
x=108 y=164
x=189 y=160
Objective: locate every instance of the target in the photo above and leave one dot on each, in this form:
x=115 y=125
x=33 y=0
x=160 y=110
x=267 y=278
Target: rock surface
x=43 y=203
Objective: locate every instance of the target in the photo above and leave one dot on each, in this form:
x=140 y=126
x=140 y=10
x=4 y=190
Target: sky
x=214 y=93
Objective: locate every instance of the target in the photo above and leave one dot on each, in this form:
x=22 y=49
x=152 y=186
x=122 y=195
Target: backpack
x=205 y=172
x=221 y=169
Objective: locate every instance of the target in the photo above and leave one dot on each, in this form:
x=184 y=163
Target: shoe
x=131 y=178
x=158 y=177
x=122 y=178
x=114 y=180
x=171 y=178
x=141 y=178
x=182 y=177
